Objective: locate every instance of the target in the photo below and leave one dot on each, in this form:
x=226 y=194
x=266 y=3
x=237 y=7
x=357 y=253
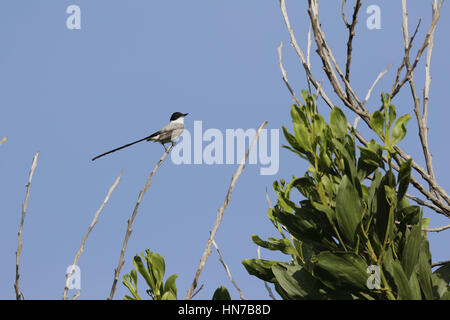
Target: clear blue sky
x=72 y=94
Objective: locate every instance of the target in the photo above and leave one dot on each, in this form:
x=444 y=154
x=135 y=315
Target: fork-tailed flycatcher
x=167 y=134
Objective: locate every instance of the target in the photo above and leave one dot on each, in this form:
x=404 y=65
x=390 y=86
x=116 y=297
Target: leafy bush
x=153 y=273
x=355 y=235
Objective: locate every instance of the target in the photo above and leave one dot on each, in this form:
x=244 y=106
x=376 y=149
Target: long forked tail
x=119 y=148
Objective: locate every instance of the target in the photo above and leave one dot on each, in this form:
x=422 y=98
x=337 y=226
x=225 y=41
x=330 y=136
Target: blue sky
x=72 y=94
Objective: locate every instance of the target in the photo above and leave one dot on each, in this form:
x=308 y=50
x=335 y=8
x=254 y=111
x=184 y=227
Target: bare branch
x=130 y=223
x=308 y=57
x=3 y=140
x=227 y=269
x=220 y=213
x=77 y=295
x=375 y=83
x=19 y=294
x=83 y=241
x=351 y=34
x=283 y=72
x=301 y=55
x=438 y=229
x=198 y=290
x=269 y=202
x=425 y=203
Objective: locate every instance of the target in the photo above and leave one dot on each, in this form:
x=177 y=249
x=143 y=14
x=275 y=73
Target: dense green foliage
x=354 y=235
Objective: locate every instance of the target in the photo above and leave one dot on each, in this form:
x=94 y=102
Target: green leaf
x=404 y=176
x=293 y=142
x=296 y=282
x=401 y=281
x=303 y=136
x=441 y=280
x=415 y=287
x=382 y=215
x=424 y=274
x=399 y=130
x=377 y=123
x=325 y=209
x=133 y=276
x=155 y=263
x=410 y=215
x=283 y=245
x=348 y=209
x=391 y=196
x=373 y=191
x=369 y=161
x=349 y=159
x=127 y=281
x=411 y=250
x=139 y=265
x=319 y=126
x=308 y=226
x=169 y=295
x=260 y=268
x=170 y=285
x=221 y=293
x=338 y=123
x=392 y=114
x=341 y=270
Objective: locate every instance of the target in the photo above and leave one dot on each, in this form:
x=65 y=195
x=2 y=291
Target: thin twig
x=425 y=203
x=265 y=282
x=375 y=83
x=83 y=242
x=302 y=56
x=422 y=121
x=227 y=269
x=3 y=140
x=351 y=34
x=198 y=290
x=19 y=294
x=308 y=58
x=77 y=295
x=269 y=202
x=220 y=213
x=437 y=229
x=130 y=223
x=283 y=72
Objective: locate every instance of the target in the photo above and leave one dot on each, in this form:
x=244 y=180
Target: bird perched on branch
x=167 y=134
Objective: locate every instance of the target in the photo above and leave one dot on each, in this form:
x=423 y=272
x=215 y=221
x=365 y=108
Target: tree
x=355 y=235
x=356 y=216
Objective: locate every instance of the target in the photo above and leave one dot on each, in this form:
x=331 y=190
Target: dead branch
x=220 y=213
x=83 y=241
x=227 y=269
x=19 y=294
x=130 y=223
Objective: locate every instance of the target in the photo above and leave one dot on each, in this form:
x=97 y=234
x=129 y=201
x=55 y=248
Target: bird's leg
x=164 y=146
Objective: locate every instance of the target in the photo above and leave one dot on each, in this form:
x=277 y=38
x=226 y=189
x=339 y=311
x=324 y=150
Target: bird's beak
x=185 y=114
